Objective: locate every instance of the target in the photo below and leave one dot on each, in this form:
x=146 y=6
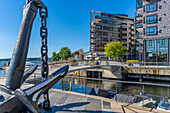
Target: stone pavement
x=68 y=102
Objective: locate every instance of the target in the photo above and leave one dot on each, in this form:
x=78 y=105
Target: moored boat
x=164 y=105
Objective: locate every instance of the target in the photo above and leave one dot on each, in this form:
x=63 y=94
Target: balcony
x=139 y=4
x=132 y=27
x=133 y=37
x=139 y=36
x=123 y=31
x=92 y=35
x=92 y=46
x=101 y=41
x=124 y=26
x=133 y=43
x=139 y=48
x=140 y=25
x=124 y=37
x=92 y=40
x=92 y=29
x=124 y=42
x=138 y=15
x=132 y=32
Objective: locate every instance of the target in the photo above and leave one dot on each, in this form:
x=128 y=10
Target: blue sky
x=68 y=23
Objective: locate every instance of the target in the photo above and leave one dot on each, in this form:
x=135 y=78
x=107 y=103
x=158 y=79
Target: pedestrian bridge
x=114 y=67
x=159 y=71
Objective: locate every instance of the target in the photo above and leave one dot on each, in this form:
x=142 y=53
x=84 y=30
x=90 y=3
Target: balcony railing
x=123 y=31
x=124 y=37
x=139 y=36
x=139 y=48
x=133 y=32
x=139 y=25
x=138 y=14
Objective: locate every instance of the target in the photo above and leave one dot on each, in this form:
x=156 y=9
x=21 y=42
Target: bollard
x=70 y=86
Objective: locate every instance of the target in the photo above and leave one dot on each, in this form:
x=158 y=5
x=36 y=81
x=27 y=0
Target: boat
x=139 y=100
x=164 y=105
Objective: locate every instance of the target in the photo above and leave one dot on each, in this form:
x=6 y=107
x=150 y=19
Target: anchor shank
x=17 y=64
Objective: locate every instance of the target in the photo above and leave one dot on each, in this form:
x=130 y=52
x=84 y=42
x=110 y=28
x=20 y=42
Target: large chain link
x=44 y=48
x=44 y=51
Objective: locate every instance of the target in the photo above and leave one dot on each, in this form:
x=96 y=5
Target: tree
x=65 y=53
x=55 y=57
x=115 y=49
x=58 y=57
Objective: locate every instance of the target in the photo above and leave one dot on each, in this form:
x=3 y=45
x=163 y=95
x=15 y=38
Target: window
x=160 y=7
x=98 y=27
x=144 y=20
x=151 y=7
x=163 y=41
x=105 y=28
x=144 y=31
x=151 y=30
x=143 y=8
x=105 y=34
x=150 y=43
x=160 y=31
x=160 y=19
x=139 y=4
x=105 y=21
x=111 y=22
x=151 y=19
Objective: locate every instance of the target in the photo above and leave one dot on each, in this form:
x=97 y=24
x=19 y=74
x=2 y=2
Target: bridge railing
x=85 y=63
x=146 y=64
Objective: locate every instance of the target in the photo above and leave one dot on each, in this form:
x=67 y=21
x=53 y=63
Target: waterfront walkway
x=68 y=102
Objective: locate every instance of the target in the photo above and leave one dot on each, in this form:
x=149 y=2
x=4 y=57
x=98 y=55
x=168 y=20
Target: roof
x=80 y=50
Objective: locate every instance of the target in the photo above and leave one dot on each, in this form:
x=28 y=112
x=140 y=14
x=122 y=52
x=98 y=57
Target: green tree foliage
x=55 y=57
x=65 y=53
x=115 y=49
x=58 y=56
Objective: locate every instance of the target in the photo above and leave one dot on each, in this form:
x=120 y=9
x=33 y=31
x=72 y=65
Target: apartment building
x=156 y=30
x=105 y=27
x=139 y=29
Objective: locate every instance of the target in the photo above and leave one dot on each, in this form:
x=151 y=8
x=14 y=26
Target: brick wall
x=163 y=25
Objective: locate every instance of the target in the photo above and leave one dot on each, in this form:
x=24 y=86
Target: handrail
x=118 y=81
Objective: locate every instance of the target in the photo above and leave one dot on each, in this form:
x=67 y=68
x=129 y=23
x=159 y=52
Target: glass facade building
x=157 y=50
x=156 y=33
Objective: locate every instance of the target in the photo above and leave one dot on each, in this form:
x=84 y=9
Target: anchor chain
x=44 y=57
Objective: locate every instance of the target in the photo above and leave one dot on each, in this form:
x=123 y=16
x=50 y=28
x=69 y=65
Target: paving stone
x=72 y=99
x=63 y=99
x=56 y=97
x=106 y=105
x=80 y=108
x=94 y=104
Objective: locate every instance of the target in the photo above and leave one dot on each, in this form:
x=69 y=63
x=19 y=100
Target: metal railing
x=117 y=82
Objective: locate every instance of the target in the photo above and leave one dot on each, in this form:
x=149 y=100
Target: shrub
x=74 y=61
x=132 y=61
x=92 y=59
